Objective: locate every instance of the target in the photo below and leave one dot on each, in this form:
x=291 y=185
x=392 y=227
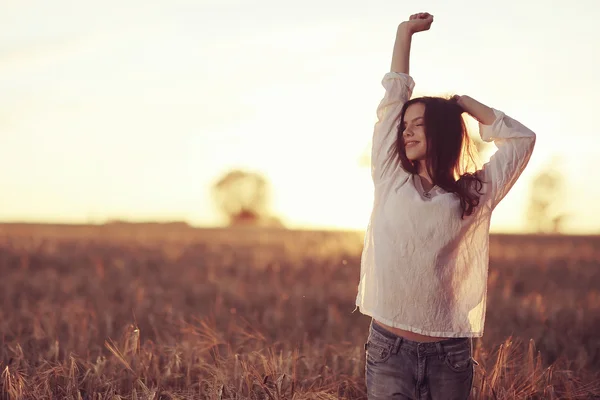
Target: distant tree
x=545 y=211
x=243 y=197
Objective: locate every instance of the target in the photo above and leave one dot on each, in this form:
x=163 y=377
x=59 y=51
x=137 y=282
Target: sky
x=133 y=109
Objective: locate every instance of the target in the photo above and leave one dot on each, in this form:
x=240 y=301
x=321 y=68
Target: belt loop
x=397 y=345
x=440 y=349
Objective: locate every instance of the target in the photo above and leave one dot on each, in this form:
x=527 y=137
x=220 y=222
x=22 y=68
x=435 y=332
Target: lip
x=410 y=143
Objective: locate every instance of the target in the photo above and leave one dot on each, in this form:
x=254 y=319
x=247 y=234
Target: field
x=172 y=312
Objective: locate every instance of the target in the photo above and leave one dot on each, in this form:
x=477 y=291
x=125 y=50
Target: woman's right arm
x=398 y=87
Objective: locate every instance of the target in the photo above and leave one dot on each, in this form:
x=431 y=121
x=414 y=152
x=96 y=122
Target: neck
x=423 y=171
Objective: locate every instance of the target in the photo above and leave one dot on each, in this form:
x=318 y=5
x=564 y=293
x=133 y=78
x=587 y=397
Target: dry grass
x=115 y=313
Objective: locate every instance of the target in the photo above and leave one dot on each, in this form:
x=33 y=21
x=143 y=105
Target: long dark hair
x=450 y=150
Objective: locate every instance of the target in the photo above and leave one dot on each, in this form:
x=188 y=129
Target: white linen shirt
x=423 y=269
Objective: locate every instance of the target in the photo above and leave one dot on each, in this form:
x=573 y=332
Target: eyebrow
x=413 y=120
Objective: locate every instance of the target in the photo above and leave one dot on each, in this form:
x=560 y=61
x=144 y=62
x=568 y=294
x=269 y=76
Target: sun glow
x=135 y=114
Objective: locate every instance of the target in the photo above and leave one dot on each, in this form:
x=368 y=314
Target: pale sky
x=131 y=109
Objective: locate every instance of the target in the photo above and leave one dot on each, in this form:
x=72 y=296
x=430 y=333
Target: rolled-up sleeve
x=398 y=89
x=515 y=143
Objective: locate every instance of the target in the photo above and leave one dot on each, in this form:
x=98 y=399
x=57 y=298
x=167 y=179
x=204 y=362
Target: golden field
x=171 y=312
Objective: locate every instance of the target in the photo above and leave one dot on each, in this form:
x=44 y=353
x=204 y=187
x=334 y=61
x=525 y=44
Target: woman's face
x=413 y=132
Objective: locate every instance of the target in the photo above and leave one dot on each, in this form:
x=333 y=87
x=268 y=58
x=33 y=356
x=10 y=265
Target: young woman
x=425 y=259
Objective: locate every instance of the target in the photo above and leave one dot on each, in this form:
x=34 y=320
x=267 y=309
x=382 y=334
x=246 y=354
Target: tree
x=545 y=212
x=243 y=197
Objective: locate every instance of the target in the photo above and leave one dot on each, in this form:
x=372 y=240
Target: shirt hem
x=405 y=327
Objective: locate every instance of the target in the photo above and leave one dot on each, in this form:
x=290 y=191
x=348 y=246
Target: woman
x=425 y=259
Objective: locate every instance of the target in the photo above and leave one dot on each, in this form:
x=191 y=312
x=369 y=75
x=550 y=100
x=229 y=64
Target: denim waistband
x=440 y=347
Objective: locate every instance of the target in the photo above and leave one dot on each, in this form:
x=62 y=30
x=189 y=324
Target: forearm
x=401 y=54
x=482 y=113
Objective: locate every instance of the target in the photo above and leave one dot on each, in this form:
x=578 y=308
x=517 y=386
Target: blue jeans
x=398 y=368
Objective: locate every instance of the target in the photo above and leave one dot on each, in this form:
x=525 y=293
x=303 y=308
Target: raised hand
x=482 y=113
x=418 y=22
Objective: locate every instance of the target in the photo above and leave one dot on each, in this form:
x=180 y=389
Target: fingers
x=422 y=15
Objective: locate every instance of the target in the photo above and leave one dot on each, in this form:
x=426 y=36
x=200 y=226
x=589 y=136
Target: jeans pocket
x=459 y=361
x=378 y=352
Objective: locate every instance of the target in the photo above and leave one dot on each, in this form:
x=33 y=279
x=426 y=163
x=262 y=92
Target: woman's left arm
x=515 y=144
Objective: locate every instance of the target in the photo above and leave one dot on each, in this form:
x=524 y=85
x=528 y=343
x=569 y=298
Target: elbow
x=528 y=135
x=531 y=144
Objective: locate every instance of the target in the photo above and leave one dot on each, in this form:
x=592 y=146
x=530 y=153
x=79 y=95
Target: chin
x=414 y=158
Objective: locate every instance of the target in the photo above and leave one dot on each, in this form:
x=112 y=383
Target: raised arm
x=398 y=87
x=515 y=143
x=416 y=23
